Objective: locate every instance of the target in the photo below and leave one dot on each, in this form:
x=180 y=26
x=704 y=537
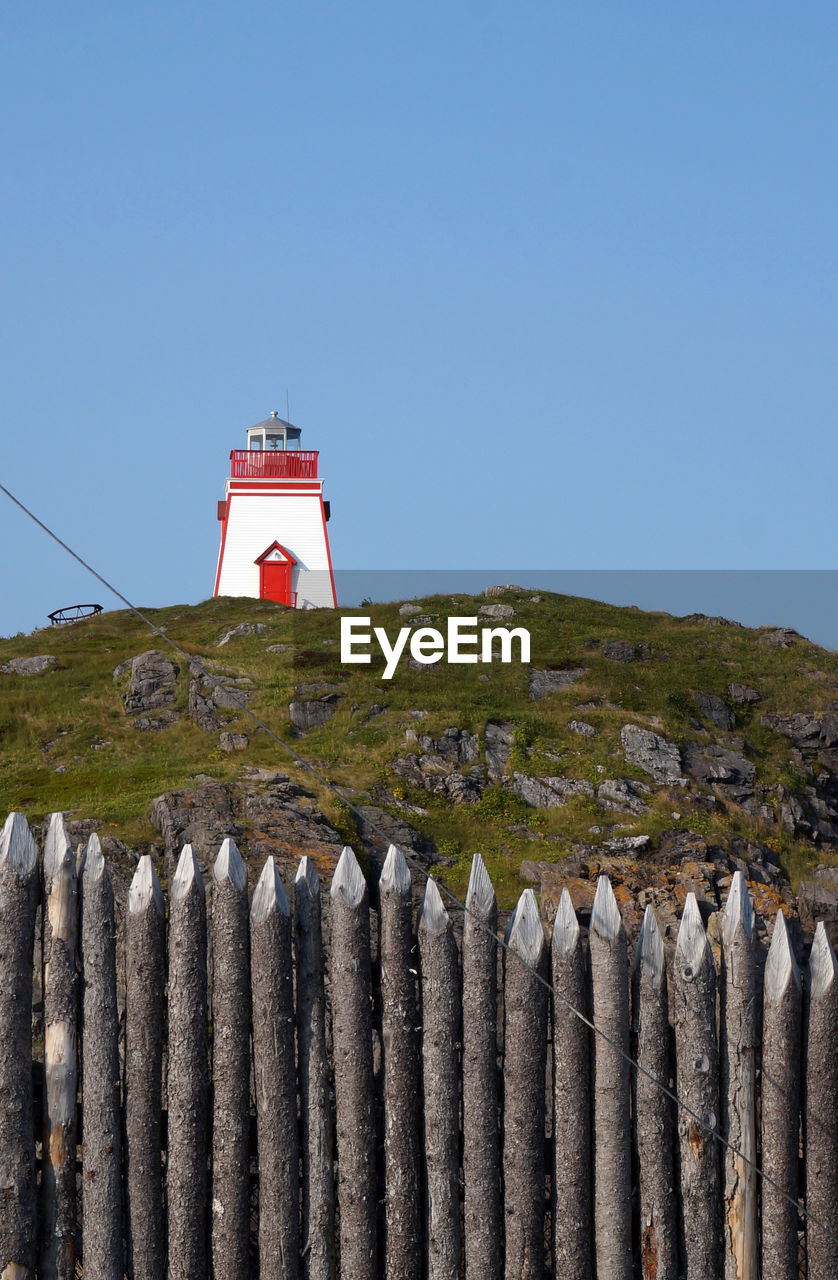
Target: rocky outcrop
x=624 y=795
x=619 y=651
x=276 y=817
x=152 y=690
x=312 y=713
x=499 y=739
x=496 y=611
x=808 y=732
x=28 y=666
x=582 y=727
x=549 y=793
x=243 y=629
x=711 y=764
x=742 y=693
x=543 y=682
x=651 y=753
x=715 y=709
x=233 y=741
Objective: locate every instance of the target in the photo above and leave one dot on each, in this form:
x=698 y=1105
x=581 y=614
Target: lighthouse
x=274 y=543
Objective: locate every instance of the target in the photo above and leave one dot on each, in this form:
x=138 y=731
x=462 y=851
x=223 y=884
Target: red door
x=275 y=581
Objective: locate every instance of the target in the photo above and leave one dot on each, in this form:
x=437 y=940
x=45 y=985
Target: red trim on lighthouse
x=328 y=554
x=275 y=546
x=223 y=540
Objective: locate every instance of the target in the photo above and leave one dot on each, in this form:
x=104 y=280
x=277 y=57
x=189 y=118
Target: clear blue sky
x=551 y=285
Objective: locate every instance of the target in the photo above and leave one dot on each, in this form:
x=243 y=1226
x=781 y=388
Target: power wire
x=195 y=663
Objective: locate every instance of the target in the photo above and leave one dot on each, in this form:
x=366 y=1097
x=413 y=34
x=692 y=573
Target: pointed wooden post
x=481 y=1132
x=188 y=1074
x=58 y=1212
x=782 y=1014
x=316 y=1120
x=19 y=891
x=352 y=1034
x=275 y=1074
x=652 y=1108
x=524 y=1076
x=821 y=1112
x=399 y=1023
x=101 y=1106
x=697 y=1057
x=612 y=1086
x=230 y=1066
x=740 y=1026
x=571 y=1100
x=144 y=1004
x=440 y=1067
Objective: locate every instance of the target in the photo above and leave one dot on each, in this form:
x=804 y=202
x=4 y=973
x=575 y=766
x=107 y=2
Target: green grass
x=65 y=742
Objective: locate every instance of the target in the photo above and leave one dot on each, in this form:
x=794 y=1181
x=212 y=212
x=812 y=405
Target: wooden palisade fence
x=236 y=1129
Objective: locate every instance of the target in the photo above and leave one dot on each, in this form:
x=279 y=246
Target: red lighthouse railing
x=273 y=464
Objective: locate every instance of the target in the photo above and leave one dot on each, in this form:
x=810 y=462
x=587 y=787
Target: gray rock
x=651 y=753
x=545 y=682
x=233 y=741
x=502 y=590
x=122 y=670
x=153 y=683
x=312 y=713
x=406 y=609
x=232 y=696
x=499 y=739
x=378 y=829
x=243 y=629
x=742 y=693
x=623 y=795
x=782 y=637
x=808 y=732
x=619 y=651
x=711 y=763
x=549 y=793
x=582 y=727
x=496 y=611
x=28 y=666
x=279 y=648
x=818 y=900
x=715 y=709
x=201 y=710
x=153 y=724
x=627 y=844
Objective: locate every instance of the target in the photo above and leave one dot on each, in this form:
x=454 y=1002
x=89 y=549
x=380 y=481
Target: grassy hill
x=67 y=743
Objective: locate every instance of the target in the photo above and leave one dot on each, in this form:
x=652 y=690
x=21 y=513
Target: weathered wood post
x=352 y=1034
x=58 y=1179
x=697 y=1059
x=571 y=1100
x=524 y=1074
x=652 y=1108
x=782 y=1014
x=144 y=1004
x=274 y=1068
x=316 y=1121
x=740 y=1026
x=230 y=1066
x=821 y=1111
x=399 y=1025
x=19 y=890
x=612 y=1086
x=481 y=1131
x=440 y=1044
x=101 y=1104
x=188 y=1073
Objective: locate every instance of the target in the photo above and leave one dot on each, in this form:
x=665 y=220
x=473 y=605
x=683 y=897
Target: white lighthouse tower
x=274 y=543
